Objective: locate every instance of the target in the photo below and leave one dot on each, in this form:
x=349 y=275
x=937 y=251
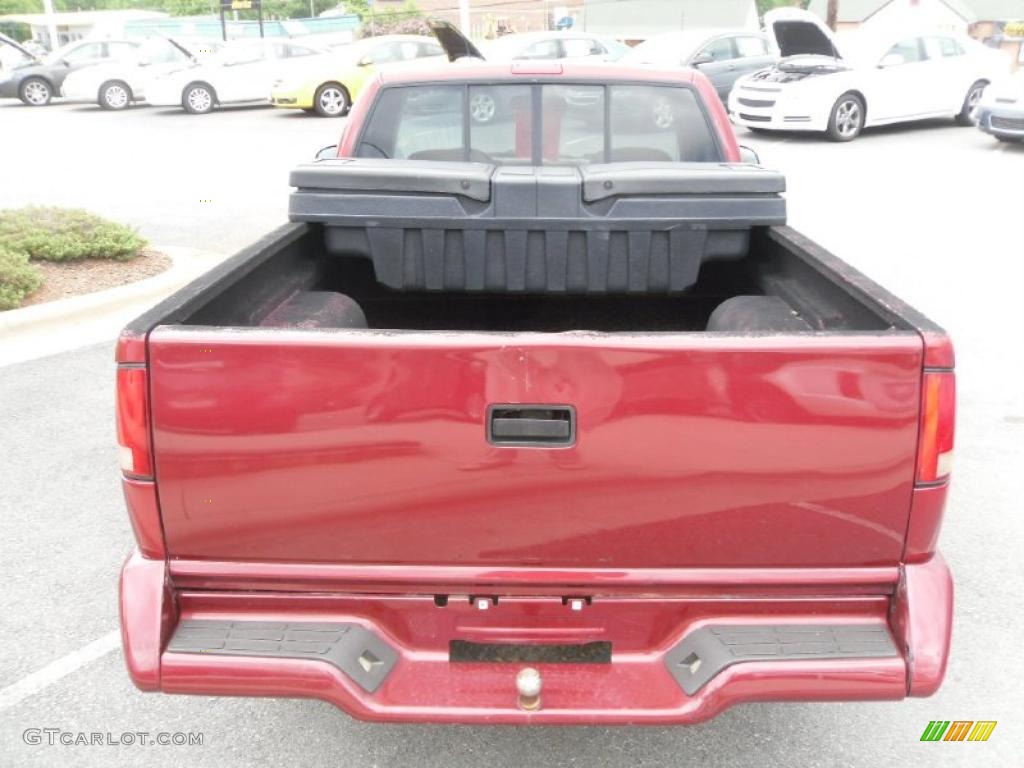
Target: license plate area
x=465 y=651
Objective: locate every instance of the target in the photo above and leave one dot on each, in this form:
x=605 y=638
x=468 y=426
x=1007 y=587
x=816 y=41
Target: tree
x=407 y=20
x=832 y=14
x=17 y=31
x=18 y=6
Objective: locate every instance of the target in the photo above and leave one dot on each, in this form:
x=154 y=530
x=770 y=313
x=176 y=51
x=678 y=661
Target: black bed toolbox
x=608 y=228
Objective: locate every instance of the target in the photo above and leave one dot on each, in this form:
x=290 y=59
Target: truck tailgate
x=690 y=449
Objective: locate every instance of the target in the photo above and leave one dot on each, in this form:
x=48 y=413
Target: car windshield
x=56 y=55
x=239 y=53
x=578 y=124
x=616 y=49
x=665 y=49
x=514 y=46
x=157 y=50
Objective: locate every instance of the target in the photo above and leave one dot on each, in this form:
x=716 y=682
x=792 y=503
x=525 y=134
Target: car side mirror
x=365 y=61
x=749 y=156
x=891 y=60
x=327 y=153
x=701 y=58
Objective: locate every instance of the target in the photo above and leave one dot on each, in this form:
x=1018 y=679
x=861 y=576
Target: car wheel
x=198 y=99
x=331 y=100
x=970 y=102
x=847 y=118
x=115 y=95
x=482 y=108
x=36 y=92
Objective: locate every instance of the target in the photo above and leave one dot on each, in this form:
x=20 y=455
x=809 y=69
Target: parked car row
x=116 y=84
x=39 y=79
x=795 y=76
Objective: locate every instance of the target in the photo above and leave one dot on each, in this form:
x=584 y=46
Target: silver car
x=723 y=56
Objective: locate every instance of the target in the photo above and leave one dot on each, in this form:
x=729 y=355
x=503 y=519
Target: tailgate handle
x=545 y=426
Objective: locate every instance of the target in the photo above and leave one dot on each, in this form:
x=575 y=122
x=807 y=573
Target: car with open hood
x=242 y=73
x=1001 y=109
x=330 y=88
x=840 y=84
x=117 y=84
x=38 y=79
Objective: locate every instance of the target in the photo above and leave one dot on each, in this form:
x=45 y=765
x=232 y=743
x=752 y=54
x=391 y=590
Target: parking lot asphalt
x=933 y=212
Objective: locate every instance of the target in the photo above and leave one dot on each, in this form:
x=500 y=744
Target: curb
x=57 y=326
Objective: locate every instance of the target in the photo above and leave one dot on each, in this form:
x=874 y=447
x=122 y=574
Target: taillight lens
x=938 y=417
x=133 y=422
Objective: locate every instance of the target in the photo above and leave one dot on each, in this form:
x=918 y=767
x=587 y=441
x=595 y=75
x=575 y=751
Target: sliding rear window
x=551 y=124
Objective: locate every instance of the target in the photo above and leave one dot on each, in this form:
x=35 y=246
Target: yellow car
x=332 y=84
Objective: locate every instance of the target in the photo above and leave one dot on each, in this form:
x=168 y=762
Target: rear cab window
x=540 y=124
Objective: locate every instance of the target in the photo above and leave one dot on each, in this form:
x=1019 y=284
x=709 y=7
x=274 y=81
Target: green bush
x=18 y=278
x=65 y=234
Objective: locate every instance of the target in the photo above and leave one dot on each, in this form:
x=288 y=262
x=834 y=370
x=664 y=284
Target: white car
x=549 y=46
x=115 y=85
x=241 y=73
x=841 y=84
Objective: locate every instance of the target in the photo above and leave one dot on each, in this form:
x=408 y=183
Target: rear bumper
x=385 y=657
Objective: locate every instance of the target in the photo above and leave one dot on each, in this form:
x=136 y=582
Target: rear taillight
x=133 y=422
x=137 y=459
x=938 y=416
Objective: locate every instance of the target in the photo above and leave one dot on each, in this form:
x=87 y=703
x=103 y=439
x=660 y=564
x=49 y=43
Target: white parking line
x=54 y=671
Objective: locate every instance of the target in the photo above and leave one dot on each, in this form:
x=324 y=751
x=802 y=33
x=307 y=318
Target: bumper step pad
x=353 y=649
x=706 y=651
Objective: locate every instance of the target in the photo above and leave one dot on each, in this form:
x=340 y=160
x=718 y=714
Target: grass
x=18 y=278
x=66 y=234
x=58 y=235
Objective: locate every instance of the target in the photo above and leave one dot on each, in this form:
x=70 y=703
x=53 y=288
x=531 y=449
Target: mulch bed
x=74 y=278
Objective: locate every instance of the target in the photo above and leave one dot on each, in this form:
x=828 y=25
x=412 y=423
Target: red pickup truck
x=536 y=412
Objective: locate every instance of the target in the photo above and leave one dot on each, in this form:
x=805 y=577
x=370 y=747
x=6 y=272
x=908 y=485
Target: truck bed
x=295 y=440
